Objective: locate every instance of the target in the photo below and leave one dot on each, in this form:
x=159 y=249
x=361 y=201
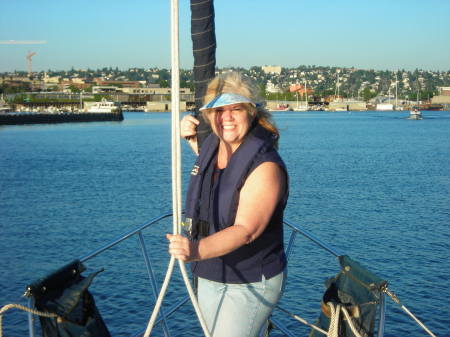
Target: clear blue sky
x=367 y=34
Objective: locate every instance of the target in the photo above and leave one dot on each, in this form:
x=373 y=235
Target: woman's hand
x=188 y=131
x=188 y=126
x=182 y=248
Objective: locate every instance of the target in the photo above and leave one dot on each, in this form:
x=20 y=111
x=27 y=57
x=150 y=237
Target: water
x=373 y=184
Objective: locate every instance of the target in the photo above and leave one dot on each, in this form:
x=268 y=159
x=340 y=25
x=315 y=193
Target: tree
x=164 y=83
x=74 y=88
x=368 y=94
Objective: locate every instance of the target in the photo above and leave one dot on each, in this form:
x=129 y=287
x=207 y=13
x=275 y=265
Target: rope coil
x=335 y=312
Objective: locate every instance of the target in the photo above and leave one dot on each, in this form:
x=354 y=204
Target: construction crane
x=30 y=62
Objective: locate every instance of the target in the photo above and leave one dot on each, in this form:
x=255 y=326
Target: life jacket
x=213 y=207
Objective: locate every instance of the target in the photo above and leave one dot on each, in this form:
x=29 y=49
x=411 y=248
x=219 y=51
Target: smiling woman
x=230 y=123
x=235 y=204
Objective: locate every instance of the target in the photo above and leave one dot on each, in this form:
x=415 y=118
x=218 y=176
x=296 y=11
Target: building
x=443 y=97
x=131 y=84
x=300 y=89
x=65 y=85
x=444 y=91
x=272 y=88
x=163 y=106
x=51 y=79
x=271 y=69
x=98 y=89
x=153 y=91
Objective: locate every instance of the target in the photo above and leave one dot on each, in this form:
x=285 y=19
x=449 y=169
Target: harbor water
x=374 y=185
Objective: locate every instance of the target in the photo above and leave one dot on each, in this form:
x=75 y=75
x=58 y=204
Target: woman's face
x=230 y=123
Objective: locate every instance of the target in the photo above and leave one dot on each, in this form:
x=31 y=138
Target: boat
x=4 y=107
x=431 y=107
x=283 y=107
x=300 y=108
x=415 y=114
x=64 y=283
x=104 y=106
x=385 y=107
x=69 y=279
x=303 y=107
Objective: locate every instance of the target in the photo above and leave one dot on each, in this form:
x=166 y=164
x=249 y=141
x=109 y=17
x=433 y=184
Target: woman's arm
x=258 y=198
x=188 y=131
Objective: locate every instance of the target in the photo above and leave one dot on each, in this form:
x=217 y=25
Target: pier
x=50 y=118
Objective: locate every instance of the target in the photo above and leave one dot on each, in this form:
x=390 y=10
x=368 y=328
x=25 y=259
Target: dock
x=51 y=118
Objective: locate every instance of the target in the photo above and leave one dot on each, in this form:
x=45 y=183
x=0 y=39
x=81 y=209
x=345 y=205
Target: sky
x=366 y=34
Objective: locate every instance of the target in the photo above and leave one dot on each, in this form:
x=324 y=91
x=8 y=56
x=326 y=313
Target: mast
x=204 y=50
x=306 y=96
x=396 y=91
x=336 y=92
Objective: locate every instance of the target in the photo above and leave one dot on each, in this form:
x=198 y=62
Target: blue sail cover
x=204 y=50
x=359 y=291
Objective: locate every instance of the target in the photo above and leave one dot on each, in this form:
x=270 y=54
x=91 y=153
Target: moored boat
x=4 y=107
x=385 y=107
x=283 y=107
x=104 y=106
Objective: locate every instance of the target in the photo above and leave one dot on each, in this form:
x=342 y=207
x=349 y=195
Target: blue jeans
x=238 y=310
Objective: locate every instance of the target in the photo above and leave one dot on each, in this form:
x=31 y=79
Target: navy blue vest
x=216 y=205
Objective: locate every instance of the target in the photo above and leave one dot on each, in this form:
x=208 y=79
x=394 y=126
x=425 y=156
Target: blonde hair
x=236 y=83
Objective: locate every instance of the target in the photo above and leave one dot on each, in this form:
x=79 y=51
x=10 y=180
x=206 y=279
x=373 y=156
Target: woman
x=235 y=202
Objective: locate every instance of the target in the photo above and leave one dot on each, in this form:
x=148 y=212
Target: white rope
x=350 y=321
x=176 y=177
x=333 y=330
x=333 y=327
x=24 y=308
x=161 y=295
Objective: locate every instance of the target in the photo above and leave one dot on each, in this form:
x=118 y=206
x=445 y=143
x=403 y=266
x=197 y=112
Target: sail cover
x=204 y=50
x=65 y=293
x=356 y=289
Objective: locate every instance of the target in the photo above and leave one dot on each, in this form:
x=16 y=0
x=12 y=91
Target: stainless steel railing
x=164 y=315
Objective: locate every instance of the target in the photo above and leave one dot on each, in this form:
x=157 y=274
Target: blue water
x=375 y=185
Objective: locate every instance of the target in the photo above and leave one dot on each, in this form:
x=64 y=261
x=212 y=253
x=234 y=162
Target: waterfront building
x=153 y=91
x=444 y=91
x=163 y=106
x=99 y=89
x=443 y=97
x=132 y=84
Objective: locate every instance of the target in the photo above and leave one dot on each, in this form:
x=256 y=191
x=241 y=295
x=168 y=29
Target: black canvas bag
x=65 y=293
